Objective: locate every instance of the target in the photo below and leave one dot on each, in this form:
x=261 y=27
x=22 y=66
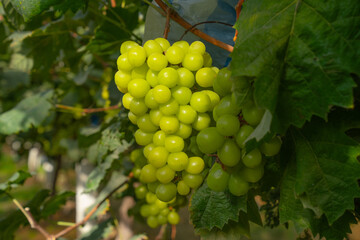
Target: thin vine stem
x=200 y=23
x=86 y=110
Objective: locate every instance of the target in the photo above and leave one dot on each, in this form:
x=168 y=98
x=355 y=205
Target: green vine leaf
x=301 y=54
x=14 y=181
x=210 y=209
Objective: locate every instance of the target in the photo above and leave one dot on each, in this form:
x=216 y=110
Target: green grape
x=165 y=174
x=202 y=121
x=152 y=186
x=252 y=114
x=175 y=54
x=177 y=161
x=222 y=83
x=204 y=77
x=186 y=114
x=193 y=61
x=152 y=46
x=166 y=191
x=252 y=175
x=151 y=78
x=184 y=45
x=136 y=171
x=161 y=205
x=147 y=174
x=226 y=106
x=122 y=79
x=182 y=188
x=126 y=100
x=169 y=108
x=140 y=192
x=200 y=101
x=150 y=101
x=138 y=88
x=123 y=63
x=209 y=140
x=181 y=94
x=237 y=185
x=214 y=98
x=155 y=116
x=168 y=77
x=229 y=153
x=252 y=159
x=145 y=124
x=157 y=61
x=272 y=147
x=162 y=94
x=127 y=45
x=154 y=209
x=159 y=138
x=228 y=125
x=207 y=60
x=148 y=148
x=138 y=106
x=174 y=143
x=150 y=198
x=137 y=56
x=186 y=78
x=192 y=180
x=164 y=212
x=145 y=210
x=173 y=218
x=217 y=179
x=158 y=156
x=195 y=165
x=197 y=47
x=132 y=117
x=169 y=124
x=140 y=72
x=161 y=219
x=152 y=222
x=143 y=138
x=164 y=43
x=184 y=131
x=244 y=132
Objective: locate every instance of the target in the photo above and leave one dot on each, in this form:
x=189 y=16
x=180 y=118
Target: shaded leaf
x=100 y=231
x=52 y=205
x=12 y=79
x=14 y=181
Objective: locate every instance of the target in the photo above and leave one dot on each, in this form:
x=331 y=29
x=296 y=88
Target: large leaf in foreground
x=300 y=54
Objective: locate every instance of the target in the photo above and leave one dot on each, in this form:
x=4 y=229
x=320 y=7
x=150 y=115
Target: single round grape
x=202 y=121
x=164 y=212
x=184 y=45
x=207 y=60
x=152 y=186
x=152 y=222
x=214 y=98
x=186 y=114
x=177 y=161
x=173 y=218
x=164 y=43
x=217 y=179
x=161 y=219
x=252 y=175
x=166 y=191
x=145 y=210
x=162 y=94
x=150 y=197
x=222 y=83
x=138 y=88
x=126 y=100
x=181 y=94
x=205 y=77
x=169 y=124
x=159 y=138
x=157 y=61
x=175 y=54
x=272 y=147
x=252 y=114
x=195 y=165
x=152 y=46
x=158 y=156
x=252 y=159
x=192 y=180
x=184 y=131
x=200 y=101
x=127 y=45
x=123 y=63
x=226 y=106
x=186 y=78
x=209 y=140
x=136 y=154
x=140 y=192
x=229 y=153
x=155 y=116
x=137 y=56
x=140 y=72
x=174 y=143
x=168 y=77
x=136 y=171
x=182 y=188
x=161 y=205
x=165 y=174
x=193 y=61
x=150 y=101
x=132 y=117
x=243 y=134
x=228 y=125
x=151 y=78
x=237 y=185
x=138 y=106
x=143 y=138
x=148 y=148
x=147 y=174
x=197 y=47
x=145 y=124
x=171 y=107
x=154 y=209
x=122 y=79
